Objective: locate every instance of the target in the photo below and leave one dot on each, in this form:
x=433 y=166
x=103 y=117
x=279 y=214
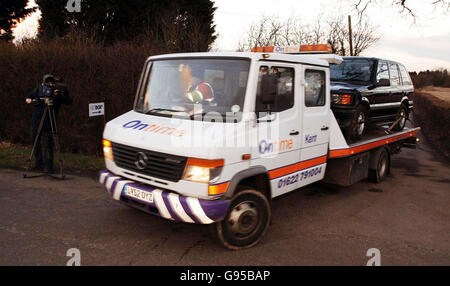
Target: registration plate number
x=139 y=194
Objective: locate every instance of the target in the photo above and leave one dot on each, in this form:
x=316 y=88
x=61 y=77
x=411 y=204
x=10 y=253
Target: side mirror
x=269 y=88
x=383 y=82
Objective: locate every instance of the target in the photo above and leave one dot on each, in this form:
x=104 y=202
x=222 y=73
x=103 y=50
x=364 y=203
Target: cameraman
x=39 y=97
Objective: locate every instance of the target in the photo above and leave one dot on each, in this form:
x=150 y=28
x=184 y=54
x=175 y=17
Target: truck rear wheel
x=382 y=167
x=246 y=222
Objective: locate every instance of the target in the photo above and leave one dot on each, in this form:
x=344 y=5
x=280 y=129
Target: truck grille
x=158 y=165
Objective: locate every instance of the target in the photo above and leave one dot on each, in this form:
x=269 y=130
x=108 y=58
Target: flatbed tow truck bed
x=350 y=162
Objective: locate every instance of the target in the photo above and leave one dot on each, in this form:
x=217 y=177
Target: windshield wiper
x=202 y=114
x=153 y=110
x=353 y=75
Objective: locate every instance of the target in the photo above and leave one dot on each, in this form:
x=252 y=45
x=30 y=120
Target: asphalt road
x=407 y=217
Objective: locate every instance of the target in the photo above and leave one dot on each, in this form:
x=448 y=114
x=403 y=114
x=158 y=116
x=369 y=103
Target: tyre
x=378 y=174
x=402 y=115
x=358 y=125
x=246 y=222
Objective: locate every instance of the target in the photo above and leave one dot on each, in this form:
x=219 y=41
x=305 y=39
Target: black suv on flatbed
x=369 y=90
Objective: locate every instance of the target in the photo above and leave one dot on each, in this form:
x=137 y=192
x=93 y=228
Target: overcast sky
x=421 y=44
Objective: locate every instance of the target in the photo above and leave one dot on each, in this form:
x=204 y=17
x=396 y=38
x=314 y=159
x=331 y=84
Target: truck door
x=277 y=134
x=315 y=124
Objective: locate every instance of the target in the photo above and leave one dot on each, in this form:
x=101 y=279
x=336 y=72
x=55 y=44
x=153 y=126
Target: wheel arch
x=256 y=177
x=365 y=102
x=405 y=101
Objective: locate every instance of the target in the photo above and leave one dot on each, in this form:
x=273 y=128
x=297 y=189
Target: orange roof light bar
x=262 y=49
x=294 y=49
x=316 y=48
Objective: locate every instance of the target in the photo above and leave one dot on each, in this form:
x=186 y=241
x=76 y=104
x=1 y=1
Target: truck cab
x=214 y=137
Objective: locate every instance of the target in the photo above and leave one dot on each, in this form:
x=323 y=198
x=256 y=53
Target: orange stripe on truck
x=280 y=172
x=368 y=146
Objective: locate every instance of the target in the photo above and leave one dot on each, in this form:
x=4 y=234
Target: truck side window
x=405 y=76
x=395 y=77
x=383 y=71
x=285 y=95
x=314 y=88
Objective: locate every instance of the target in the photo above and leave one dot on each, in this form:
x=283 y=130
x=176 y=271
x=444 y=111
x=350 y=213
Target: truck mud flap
x=348 y=170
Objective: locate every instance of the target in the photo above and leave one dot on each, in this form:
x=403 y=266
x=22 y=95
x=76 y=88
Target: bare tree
x=362 y=5
x=337 y=36
x=317 y=31
x=272 y=32
x=364 y=37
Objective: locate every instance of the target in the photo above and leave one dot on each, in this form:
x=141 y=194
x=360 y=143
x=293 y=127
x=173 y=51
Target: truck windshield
x=192 y=87
x=352 y=70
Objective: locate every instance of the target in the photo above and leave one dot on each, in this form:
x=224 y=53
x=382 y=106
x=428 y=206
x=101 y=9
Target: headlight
x=107 y=150
x=336 y=98
x=197 y=174
x=202 y=171
x=341 y=98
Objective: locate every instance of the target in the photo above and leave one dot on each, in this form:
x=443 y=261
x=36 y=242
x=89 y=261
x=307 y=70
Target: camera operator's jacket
x=62 y=98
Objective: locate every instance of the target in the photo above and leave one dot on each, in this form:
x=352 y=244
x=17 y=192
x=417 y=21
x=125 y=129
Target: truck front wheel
x=246 y=222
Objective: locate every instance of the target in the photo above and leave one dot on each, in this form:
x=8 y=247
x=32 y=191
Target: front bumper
x=344 y=116
x=166 y=204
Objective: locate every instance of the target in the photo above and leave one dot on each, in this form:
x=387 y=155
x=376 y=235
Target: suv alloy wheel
x=359 y=123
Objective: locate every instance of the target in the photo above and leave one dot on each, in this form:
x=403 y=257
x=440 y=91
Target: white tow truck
x=214 y=137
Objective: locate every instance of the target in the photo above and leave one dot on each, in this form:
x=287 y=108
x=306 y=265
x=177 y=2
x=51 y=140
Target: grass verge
x=433 y=115
x=16 y=157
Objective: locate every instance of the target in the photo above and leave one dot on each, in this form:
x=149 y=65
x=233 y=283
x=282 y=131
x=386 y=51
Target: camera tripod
x=50 y=112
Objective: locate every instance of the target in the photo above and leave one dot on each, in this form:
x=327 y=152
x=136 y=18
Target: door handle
x=294 y=132
x=324 y=128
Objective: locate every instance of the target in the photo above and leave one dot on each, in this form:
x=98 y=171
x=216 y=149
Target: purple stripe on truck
x=216 y=209
x=187 y=209
x=169 y=207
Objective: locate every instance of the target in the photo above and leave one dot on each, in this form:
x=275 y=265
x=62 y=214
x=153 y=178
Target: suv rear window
x=395 y=76
x=405 y=76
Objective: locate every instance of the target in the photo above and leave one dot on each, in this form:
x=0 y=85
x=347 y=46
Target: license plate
x=139 y=194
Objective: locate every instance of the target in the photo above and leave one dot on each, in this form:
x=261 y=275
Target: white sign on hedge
x=96 y=109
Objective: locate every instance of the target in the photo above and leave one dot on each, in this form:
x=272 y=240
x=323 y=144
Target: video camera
x=51 y=90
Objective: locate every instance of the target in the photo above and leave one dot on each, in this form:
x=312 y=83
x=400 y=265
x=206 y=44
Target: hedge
x=92 y=72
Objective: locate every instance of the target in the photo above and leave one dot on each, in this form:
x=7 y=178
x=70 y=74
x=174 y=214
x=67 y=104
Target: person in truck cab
x=199 y=90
